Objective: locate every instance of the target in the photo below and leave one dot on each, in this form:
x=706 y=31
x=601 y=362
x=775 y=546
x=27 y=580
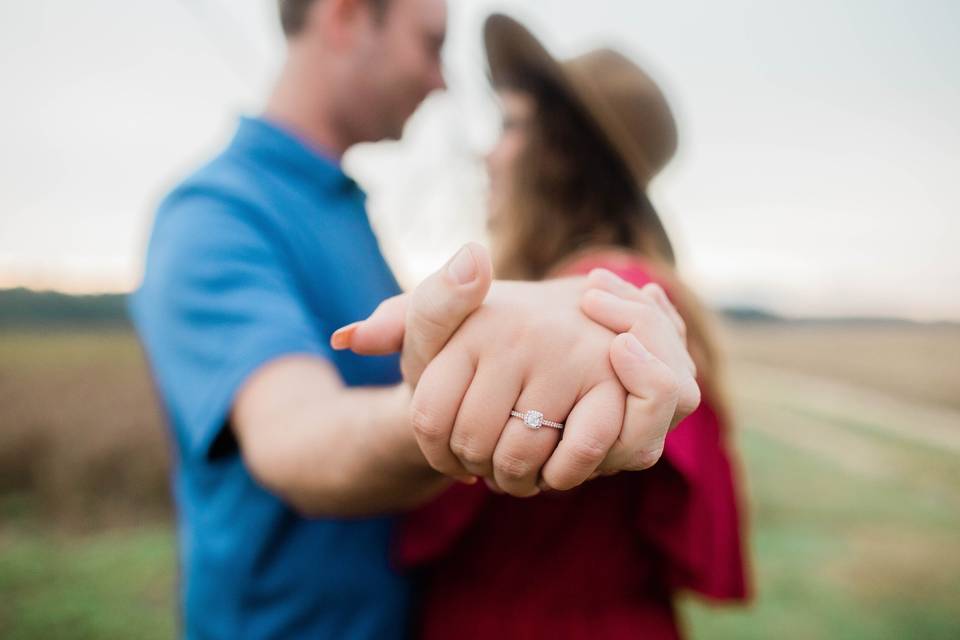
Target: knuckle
x=427 y=316
x=511 y=467
x=517 y=335
x=426 y=323
x=587 y=451
x=665 y=385
x=646 y=458
x=425 y=425
x=654 y=290
x=468 y=452
x=563 y=481
x=689 y=397
x=524 y=492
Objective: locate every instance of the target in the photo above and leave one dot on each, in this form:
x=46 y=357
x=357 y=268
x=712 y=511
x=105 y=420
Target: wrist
x=400 y=449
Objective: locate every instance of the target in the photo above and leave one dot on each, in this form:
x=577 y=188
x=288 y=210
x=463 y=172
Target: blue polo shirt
x=263 y=252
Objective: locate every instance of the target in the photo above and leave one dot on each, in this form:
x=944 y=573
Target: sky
x=818 y=171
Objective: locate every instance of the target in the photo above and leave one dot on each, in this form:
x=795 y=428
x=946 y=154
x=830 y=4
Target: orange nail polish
x=343 y=337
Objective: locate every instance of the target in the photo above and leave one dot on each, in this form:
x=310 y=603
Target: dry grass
x=911 y=361
x=80 y=432
x=848 y=435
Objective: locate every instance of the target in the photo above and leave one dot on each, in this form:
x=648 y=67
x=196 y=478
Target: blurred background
x=814 y=203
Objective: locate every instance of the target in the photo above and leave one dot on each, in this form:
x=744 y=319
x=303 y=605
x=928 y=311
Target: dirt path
x=812 y=408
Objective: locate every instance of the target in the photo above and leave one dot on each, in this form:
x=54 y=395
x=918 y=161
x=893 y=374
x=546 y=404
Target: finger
x=590 y=432
x=616 y=313
x=640 y=317
x=686 y=377
x=440 y=304
x=483 y=415
x=379 y=334
x=635 y=316
x=651 y=404
x=612 y=283
x=343 y=336
x=609 y=281
x=656 y=292
x=433 y=409
x=689 y=400
x=522 y=450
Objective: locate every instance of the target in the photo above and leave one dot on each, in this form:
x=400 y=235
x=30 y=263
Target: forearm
x=333 y=450
x=376 y=465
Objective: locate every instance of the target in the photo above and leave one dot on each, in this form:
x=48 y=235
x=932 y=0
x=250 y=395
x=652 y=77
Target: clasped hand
x=606 y=358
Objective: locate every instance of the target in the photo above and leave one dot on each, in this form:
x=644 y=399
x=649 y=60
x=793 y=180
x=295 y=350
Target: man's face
x=397 y=64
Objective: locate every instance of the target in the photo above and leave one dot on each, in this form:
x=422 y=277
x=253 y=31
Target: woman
x=581 y=141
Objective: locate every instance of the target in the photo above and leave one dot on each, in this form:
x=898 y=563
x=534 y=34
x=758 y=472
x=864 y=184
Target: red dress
x=601 y=561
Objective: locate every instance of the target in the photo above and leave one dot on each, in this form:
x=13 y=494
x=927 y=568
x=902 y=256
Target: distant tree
x=25 y=308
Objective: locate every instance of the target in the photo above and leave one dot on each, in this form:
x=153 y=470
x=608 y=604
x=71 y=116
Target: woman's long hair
x=571 y=192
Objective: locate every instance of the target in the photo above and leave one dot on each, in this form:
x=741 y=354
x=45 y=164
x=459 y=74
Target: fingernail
x=463 y=268
x=467 y=479
x=635 y=347
x=343 y=336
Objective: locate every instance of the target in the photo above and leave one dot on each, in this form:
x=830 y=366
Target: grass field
x=849 y=438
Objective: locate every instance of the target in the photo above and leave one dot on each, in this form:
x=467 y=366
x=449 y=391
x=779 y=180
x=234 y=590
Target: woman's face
x=518 y=111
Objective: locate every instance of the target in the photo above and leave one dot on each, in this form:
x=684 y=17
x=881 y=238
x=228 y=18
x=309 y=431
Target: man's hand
x=529 y=347
x=420 y=323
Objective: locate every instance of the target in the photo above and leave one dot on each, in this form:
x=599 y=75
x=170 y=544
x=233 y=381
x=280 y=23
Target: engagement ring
x=535 y=419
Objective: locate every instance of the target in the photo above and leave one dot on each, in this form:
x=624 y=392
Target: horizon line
x=761 y=313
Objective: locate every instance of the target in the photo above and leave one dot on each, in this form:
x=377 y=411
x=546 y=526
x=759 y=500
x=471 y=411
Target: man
x=288 y=453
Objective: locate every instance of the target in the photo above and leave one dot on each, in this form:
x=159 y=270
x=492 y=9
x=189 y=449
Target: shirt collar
x=270 y=142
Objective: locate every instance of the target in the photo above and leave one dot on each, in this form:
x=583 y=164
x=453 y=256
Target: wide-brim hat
x=627 y=107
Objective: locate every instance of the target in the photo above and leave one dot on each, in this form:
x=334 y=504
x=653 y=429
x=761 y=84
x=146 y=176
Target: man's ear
x=342 y=21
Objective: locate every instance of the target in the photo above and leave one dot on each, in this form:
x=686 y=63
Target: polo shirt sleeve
x=217 y=302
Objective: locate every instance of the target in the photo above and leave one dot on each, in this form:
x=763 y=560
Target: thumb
x=381 y=333
x=440 y=304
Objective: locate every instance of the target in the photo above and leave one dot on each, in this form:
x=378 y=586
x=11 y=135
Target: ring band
x=534 y=419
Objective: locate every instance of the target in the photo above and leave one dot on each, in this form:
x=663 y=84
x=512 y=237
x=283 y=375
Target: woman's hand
x=528 y=347
x=650 y=332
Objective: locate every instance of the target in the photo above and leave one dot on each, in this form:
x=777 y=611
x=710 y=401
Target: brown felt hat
x=626 y=105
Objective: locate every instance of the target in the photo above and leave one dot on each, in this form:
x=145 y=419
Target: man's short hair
x=293 y=13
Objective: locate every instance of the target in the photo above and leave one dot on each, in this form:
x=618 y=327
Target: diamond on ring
x=534 y=419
